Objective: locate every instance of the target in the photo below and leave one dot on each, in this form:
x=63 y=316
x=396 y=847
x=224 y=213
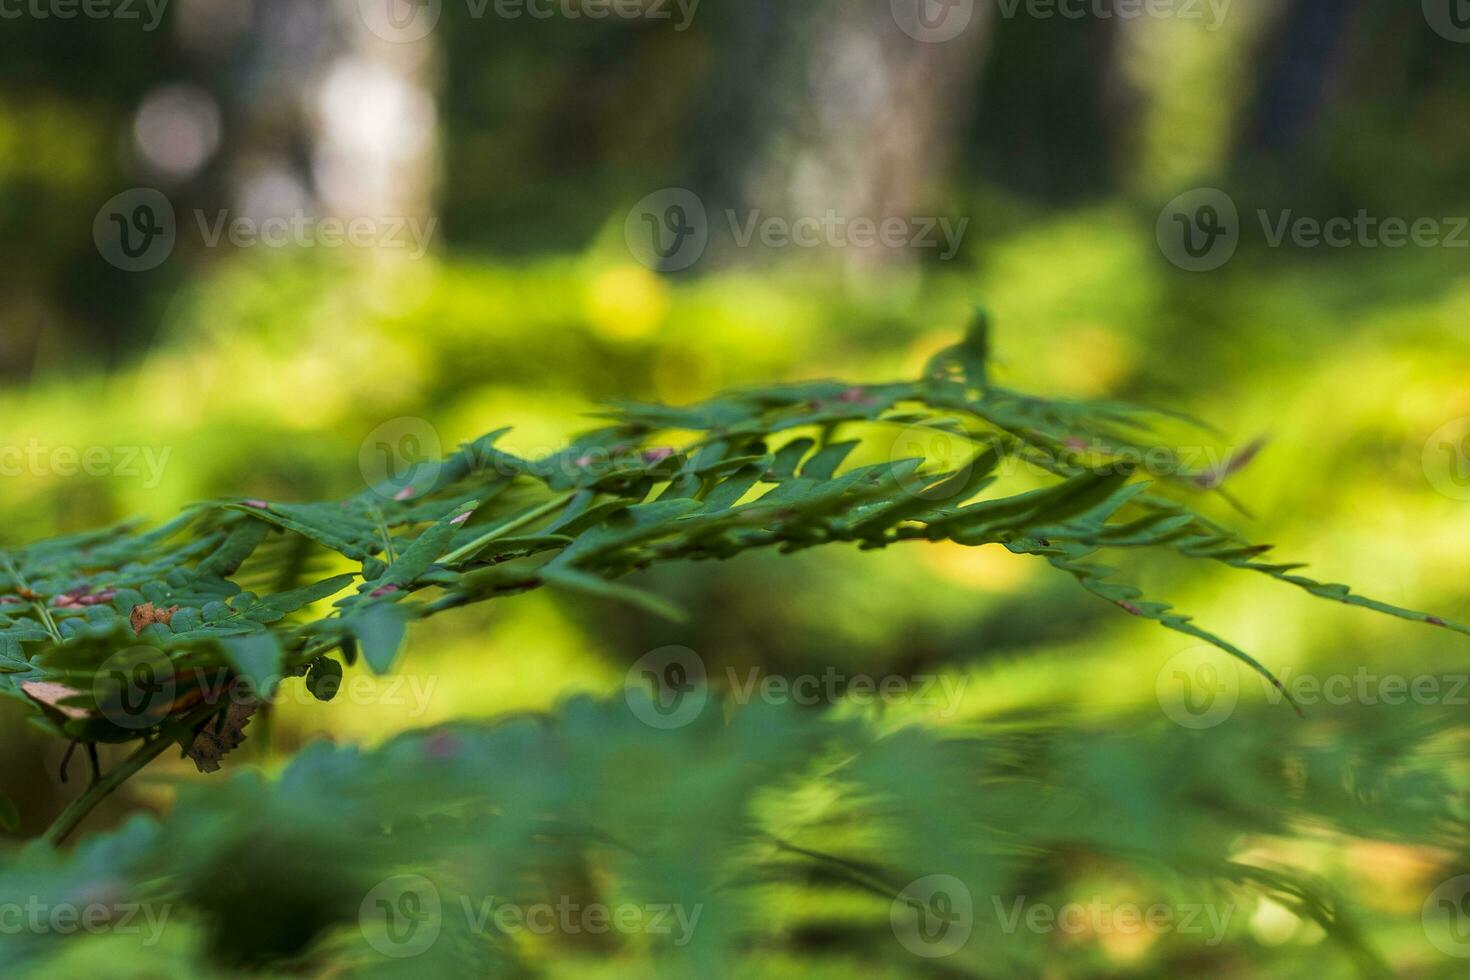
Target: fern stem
x=388 y=552
x=504 y=528
x=101 y=788
x=39 y=607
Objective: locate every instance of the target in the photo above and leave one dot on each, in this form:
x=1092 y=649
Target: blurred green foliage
x=261 y=375
x=788 y=843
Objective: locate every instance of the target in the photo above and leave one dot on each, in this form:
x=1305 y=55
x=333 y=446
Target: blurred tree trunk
x=1189 y=81
x=319 y=113
x=1301 y=56
x=1050 y=109
x=828 y=105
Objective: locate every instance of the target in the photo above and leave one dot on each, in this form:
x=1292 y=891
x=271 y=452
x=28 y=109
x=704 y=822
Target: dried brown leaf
x=147 y=614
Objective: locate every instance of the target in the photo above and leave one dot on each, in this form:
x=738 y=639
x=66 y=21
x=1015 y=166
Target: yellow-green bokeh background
x=262 y=372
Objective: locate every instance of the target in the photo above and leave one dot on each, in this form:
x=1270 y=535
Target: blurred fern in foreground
x=778 y=834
